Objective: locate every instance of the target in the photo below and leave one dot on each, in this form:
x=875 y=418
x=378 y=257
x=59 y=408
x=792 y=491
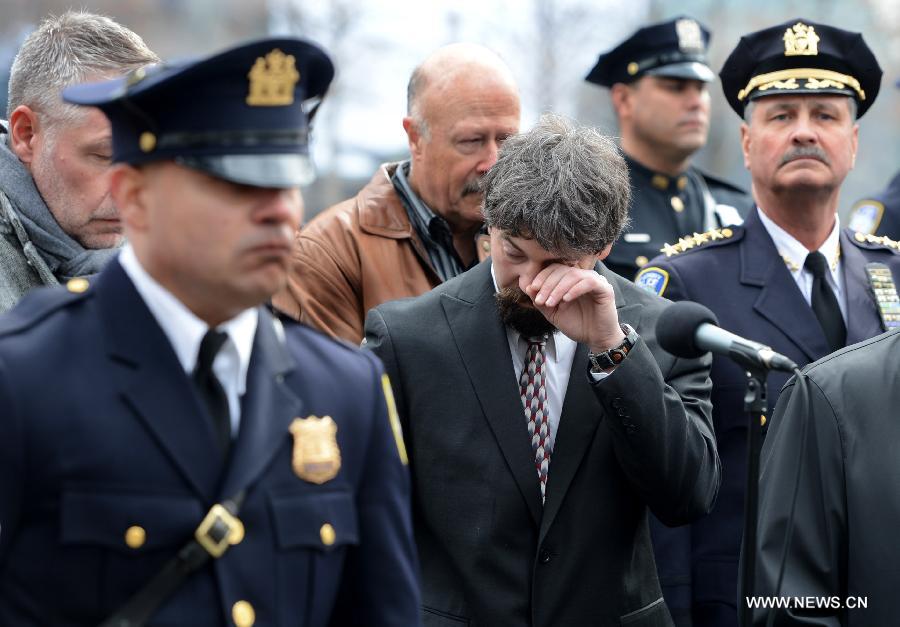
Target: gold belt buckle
x=232 y=533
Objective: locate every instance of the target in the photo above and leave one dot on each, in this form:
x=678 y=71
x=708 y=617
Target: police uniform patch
x=652 y=279
x=394 y=418
x=866 y=216
x=316 y=457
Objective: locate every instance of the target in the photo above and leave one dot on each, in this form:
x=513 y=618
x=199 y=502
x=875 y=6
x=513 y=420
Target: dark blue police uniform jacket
x=101 y=431
x=745 y=282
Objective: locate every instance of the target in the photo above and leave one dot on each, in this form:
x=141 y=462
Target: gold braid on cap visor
x=815 y=79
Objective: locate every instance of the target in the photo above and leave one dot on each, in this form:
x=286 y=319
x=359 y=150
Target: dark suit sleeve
x=12 y=465
x=814 y=561
x=380 y=585
x=662 y=432
x=378 y=340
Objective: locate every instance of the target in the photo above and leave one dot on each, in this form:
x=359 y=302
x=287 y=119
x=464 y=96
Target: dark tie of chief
x=211 y=390
x=824 y=304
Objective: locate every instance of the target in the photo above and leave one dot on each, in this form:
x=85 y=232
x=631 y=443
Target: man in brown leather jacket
x=416 y=224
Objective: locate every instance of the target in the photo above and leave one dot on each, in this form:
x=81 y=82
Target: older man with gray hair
x=542 y=420
x=57 y=220
x=416 y=223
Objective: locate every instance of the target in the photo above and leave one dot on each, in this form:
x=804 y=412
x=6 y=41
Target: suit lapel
x=863 y=319
x=481 y=340
x=780 y=301
x=152 y=382
x=580 y=417
x=267 y=409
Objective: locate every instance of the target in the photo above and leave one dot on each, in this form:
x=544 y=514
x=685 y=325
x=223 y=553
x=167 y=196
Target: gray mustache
x=472 y=187
x=803 y=152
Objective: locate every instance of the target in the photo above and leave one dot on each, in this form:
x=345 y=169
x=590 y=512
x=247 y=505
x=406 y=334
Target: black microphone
x=688 y=329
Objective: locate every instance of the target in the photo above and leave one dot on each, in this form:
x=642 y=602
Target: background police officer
x=789 y=277
x=658 y=81
x=193 y=462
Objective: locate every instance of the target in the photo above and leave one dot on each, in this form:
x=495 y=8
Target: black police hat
x=801 y=57
x=676 y=49
x=238 y=115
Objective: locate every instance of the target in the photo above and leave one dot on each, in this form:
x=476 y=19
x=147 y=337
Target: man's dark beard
x=526 y=320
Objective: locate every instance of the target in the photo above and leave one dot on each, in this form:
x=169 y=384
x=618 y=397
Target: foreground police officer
x=658 y=80
x=789 y=277
x=190 y=461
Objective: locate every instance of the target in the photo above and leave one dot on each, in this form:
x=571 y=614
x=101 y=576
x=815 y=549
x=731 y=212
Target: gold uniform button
x=659 y=181
x=243 y=614
x=682 y=182
x=78 y=285
x=147 y=141
x=762 y=421
x=327 y=534
x=641 y=261
x=677 y=204
x=135 y=537
x=632 y=68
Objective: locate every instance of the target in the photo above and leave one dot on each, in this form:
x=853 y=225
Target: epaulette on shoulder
x=697 y=241
x=874 y=242
x=40 y=303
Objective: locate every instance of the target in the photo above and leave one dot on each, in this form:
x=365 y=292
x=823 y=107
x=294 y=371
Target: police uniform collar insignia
x=793 y=266
x=801 y=40
x=696 y=239
x=272 y=80
x=316 y=457
x=690 y=37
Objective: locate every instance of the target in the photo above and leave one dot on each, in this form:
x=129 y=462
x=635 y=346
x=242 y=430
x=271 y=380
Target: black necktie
x=824 y=304
x=211 y=390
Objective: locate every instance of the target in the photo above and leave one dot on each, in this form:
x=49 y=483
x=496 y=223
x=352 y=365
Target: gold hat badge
x=801 y=40
x=316 y=457
x=690 y=37
x=272 y=80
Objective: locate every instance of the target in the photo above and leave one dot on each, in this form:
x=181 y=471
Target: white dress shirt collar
x=185 y=331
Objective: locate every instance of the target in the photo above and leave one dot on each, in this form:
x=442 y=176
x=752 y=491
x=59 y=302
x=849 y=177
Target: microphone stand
x=755 y=408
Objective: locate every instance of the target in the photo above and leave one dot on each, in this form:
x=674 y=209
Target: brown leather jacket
x=353 y=256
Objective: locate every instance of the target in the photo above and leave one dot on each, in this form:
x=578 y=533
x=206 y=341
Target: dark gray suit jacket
x=491 y=555
x=844 y=541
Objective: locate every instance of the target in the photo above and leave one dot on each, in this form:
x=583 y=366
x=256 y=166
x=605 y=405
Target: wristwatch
x=614 y=356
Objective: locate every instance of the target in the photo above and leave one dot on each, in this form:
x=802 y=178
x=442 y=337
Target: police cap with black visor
x=241 y=115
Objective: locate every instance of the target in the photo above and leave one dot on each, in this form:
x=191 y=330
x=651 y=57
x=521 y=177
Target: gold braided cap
x=815 y=78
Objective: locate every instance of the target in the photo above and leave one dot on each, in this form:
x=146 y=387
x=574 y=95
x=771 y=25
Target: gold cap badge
x=801 y=40
x=317 y=457
x=272 y=80
x=690 y=37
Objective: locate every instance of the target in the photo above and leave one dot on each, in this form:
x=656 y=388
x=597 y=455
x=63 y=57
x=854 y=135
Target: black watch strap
x=614 y=356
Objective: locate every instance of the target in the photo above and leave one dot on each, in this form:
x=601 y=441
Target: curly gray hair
x=565 y=186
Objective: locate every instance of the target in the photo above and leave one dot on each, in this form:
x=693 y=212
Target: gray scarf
x=65 y=257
